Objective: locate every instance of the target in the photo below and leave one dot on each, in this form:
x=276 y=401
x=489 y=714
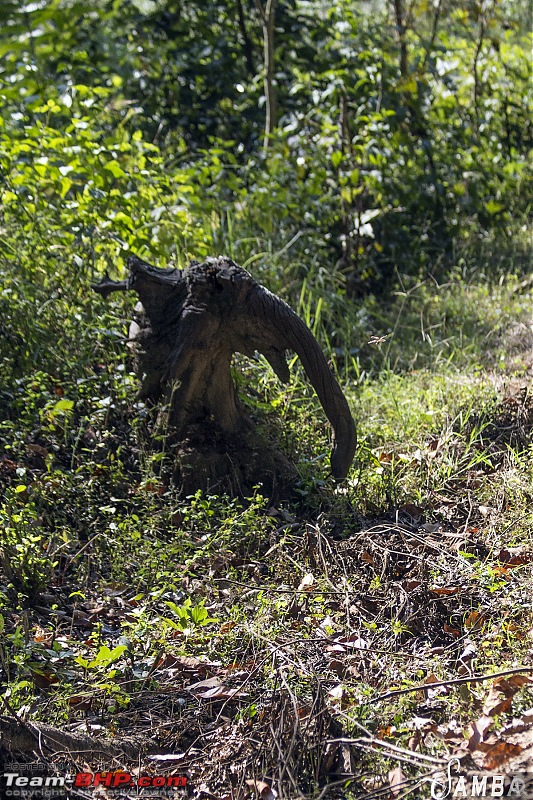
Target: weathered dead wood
x=192 y=322
x=29 y=737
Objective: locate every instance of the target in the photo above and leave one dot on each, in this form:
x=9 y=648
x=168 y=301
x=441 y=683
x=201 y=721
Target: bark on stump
x=190 y=325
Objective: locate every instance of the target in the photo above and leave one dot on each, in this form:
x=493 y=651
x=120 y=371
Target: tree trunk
x=248 y=48
x=192 y=323
x=400 y=31
x=268 y=14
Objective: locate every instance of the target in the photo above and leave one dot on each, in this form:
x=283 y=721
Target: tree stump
x=190 y=325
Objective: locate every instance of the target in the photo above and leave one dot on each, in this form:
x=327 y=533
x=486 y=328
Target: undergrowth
x=243 y=620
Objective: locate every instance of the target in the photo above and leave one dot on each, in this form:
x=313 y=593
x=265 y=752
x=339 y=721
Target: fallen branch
x=28 y=737
x=452 y=682
x=409 y=756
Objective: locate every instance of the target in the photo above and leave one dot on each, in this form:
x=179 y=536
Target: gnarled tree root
x=188 y=328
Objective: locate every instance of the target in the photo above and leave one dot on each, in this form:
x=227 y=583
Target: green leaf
x=103 y=653
x=198 y=614
x=117 y=651
x=180 y=611
x=66 y=183
x=493 y=207
x=105 y=656
x=62 y=406
x=124 y=218
x=115 y=169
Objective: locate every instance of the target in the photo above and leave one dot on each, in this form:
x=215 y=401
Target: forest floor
x=345 y=643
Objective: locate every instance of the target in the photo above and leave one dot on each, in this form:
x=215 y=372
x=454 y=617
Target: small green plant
x=103 y=659
x=26 y=552
x=189 y=617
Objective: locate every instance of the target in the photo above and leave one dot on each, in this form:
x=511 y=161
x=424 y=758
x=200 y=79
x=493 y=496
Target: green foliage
x=26 y=551
x=188 y=615
x=137 y=126
x=103 y=658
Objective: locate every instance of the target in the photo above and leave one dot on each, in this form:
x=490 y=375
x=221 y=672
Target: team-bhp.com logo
x=458 y=786
x=114 y=780
x=27 y=782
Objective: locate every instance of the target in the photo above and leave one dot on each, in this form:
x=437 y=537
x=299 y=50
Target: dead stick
x=401 y=751
x=454 y=681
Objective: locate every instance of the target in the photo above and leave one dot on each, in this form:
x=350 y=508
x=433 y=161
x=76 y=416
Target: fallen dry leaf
x=219 y=693
x=186 y=664
x=410 y=508
x=38 y=450
x=354 y=641
x=477 y=732
x=515 y=682
x=80 y=702
x=44 y=679
x=262 y=789
x=396 y=780
x=166 y=757
x=43 y=636
x=494 y=702
x=410 y=586
x=207 y=684
x=7 y=464
x=331 y=754
x=514 y=556
x=469 y=652
x=338 y=667
x=474 y=621
x=335 y=648
x=432 y=693
x=306 y=582
x=499 y=754
x=226 y=627
x=305 y=711
x=449 y=629
x=430 y=527
x=520 y=724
